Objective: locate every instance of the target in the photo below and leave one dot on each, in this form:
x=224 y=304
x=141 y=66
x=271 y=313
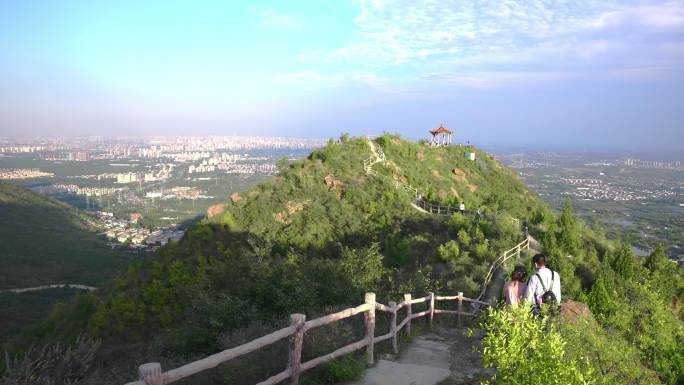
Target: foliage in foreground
x=51 y=364
x=528 y=350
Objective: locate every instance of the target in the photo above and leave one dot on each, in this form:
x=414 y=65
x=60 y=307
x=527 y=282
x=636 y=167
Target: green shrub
x=528 y=350
x=611 y=357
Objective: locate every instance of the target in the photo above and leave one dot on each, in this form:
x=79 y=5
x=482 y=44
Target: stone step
x=395 y=373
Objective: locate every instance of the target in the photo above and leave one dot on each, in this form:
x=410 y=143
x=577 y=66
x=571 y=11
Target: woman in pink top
x=515 y=289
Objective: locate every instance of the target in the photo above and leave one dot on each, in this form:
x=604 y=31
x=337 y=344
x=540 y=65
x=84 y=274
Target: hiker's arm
x=557 y=288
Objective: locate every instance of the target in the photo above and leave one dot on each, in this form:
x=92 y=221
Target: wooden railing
x=152 y=374
x=501 y=261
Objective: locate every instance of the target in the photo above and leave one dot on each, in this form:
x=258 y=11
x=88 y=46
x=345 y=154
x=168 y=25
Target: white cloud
x=505 y=39
x=272 y=18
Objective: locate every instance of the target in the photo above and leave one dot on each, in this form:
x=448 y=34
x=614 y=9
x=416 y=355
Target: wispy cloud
x=272 y=18
x=497 y=41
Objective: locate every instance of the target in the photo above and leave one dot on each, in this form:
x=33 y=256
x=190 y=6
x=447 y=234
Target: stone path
x=443 y=357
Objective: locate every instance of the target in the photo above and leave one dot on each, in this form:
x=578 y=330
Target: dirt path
x=47 y=287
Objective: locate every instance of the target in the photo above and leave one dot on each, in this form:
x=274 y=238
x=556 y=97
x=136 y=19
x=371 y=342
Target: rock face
x=235 y=197
x=331 y=182
x=458 y=174
x=295 y=207
x=215 y=210
x=572 y=310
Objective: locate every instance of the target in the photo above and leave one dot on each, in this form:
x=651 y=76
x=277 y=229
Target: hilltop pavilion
x=441 y=136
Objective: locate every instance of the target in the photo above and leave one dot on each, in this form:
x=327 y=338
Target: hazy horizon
x=581 y=75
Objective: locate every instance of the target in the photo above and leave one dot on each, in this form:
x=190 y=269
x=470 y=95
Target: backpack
x=548 y=296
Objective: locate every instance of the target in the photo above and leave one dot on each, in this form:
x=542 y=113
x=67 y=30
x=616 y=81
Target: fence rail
x=152 y=374
x=501 y=261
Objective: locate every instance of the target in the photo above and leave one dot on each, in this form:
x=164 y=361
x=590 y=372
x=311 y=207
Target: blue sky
x=541 y=73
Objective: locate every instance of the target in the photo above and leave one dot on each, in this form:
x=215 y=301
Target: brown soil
x=331 y=182
x=572 y=310
x=282 y=217
x=458 y=174
x=215 y=210
x=295 y=207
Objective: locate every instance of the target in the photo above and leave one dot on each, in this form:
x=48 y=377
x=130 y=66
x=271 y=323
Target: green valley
x=43 y=242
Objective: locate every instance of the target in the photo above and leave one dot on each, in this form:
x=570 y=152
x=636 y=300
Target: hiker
x=544 y=286
x=461 y=207
x=516 y=287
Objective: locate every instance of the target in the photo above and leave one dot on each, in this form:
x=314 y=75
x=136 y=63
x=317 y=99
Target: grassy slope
x=363 y=206
x=43 y=241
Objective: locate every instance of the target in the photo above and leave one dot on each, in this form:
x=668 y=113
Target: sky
x=577 y=74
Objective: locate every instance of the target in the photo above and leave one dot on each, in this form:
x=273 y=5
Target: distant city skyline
x=579 y=75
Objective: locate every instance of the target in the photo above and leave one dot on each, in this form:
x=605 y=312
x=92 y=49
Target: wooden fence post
x=151 y=373
x=370 y=326
x=407 y=299
x=296 y=340
x=432 y=307
x=460 y=309
x=393 y=326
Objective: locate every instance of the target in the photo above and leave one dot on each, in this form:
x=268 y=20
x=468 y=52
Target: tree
x=568 y=237
x=657 y=260
x=449 y=251
x=623 y=261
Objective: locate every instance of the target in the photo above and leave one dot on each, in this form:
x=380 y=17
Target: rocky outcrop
x=458 y=174
x=570 y=311
x=215 y=210
x=331 y=182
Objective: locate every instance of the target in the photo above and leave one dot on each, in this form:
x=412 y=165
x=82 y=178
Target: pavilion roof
x=440 y=130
